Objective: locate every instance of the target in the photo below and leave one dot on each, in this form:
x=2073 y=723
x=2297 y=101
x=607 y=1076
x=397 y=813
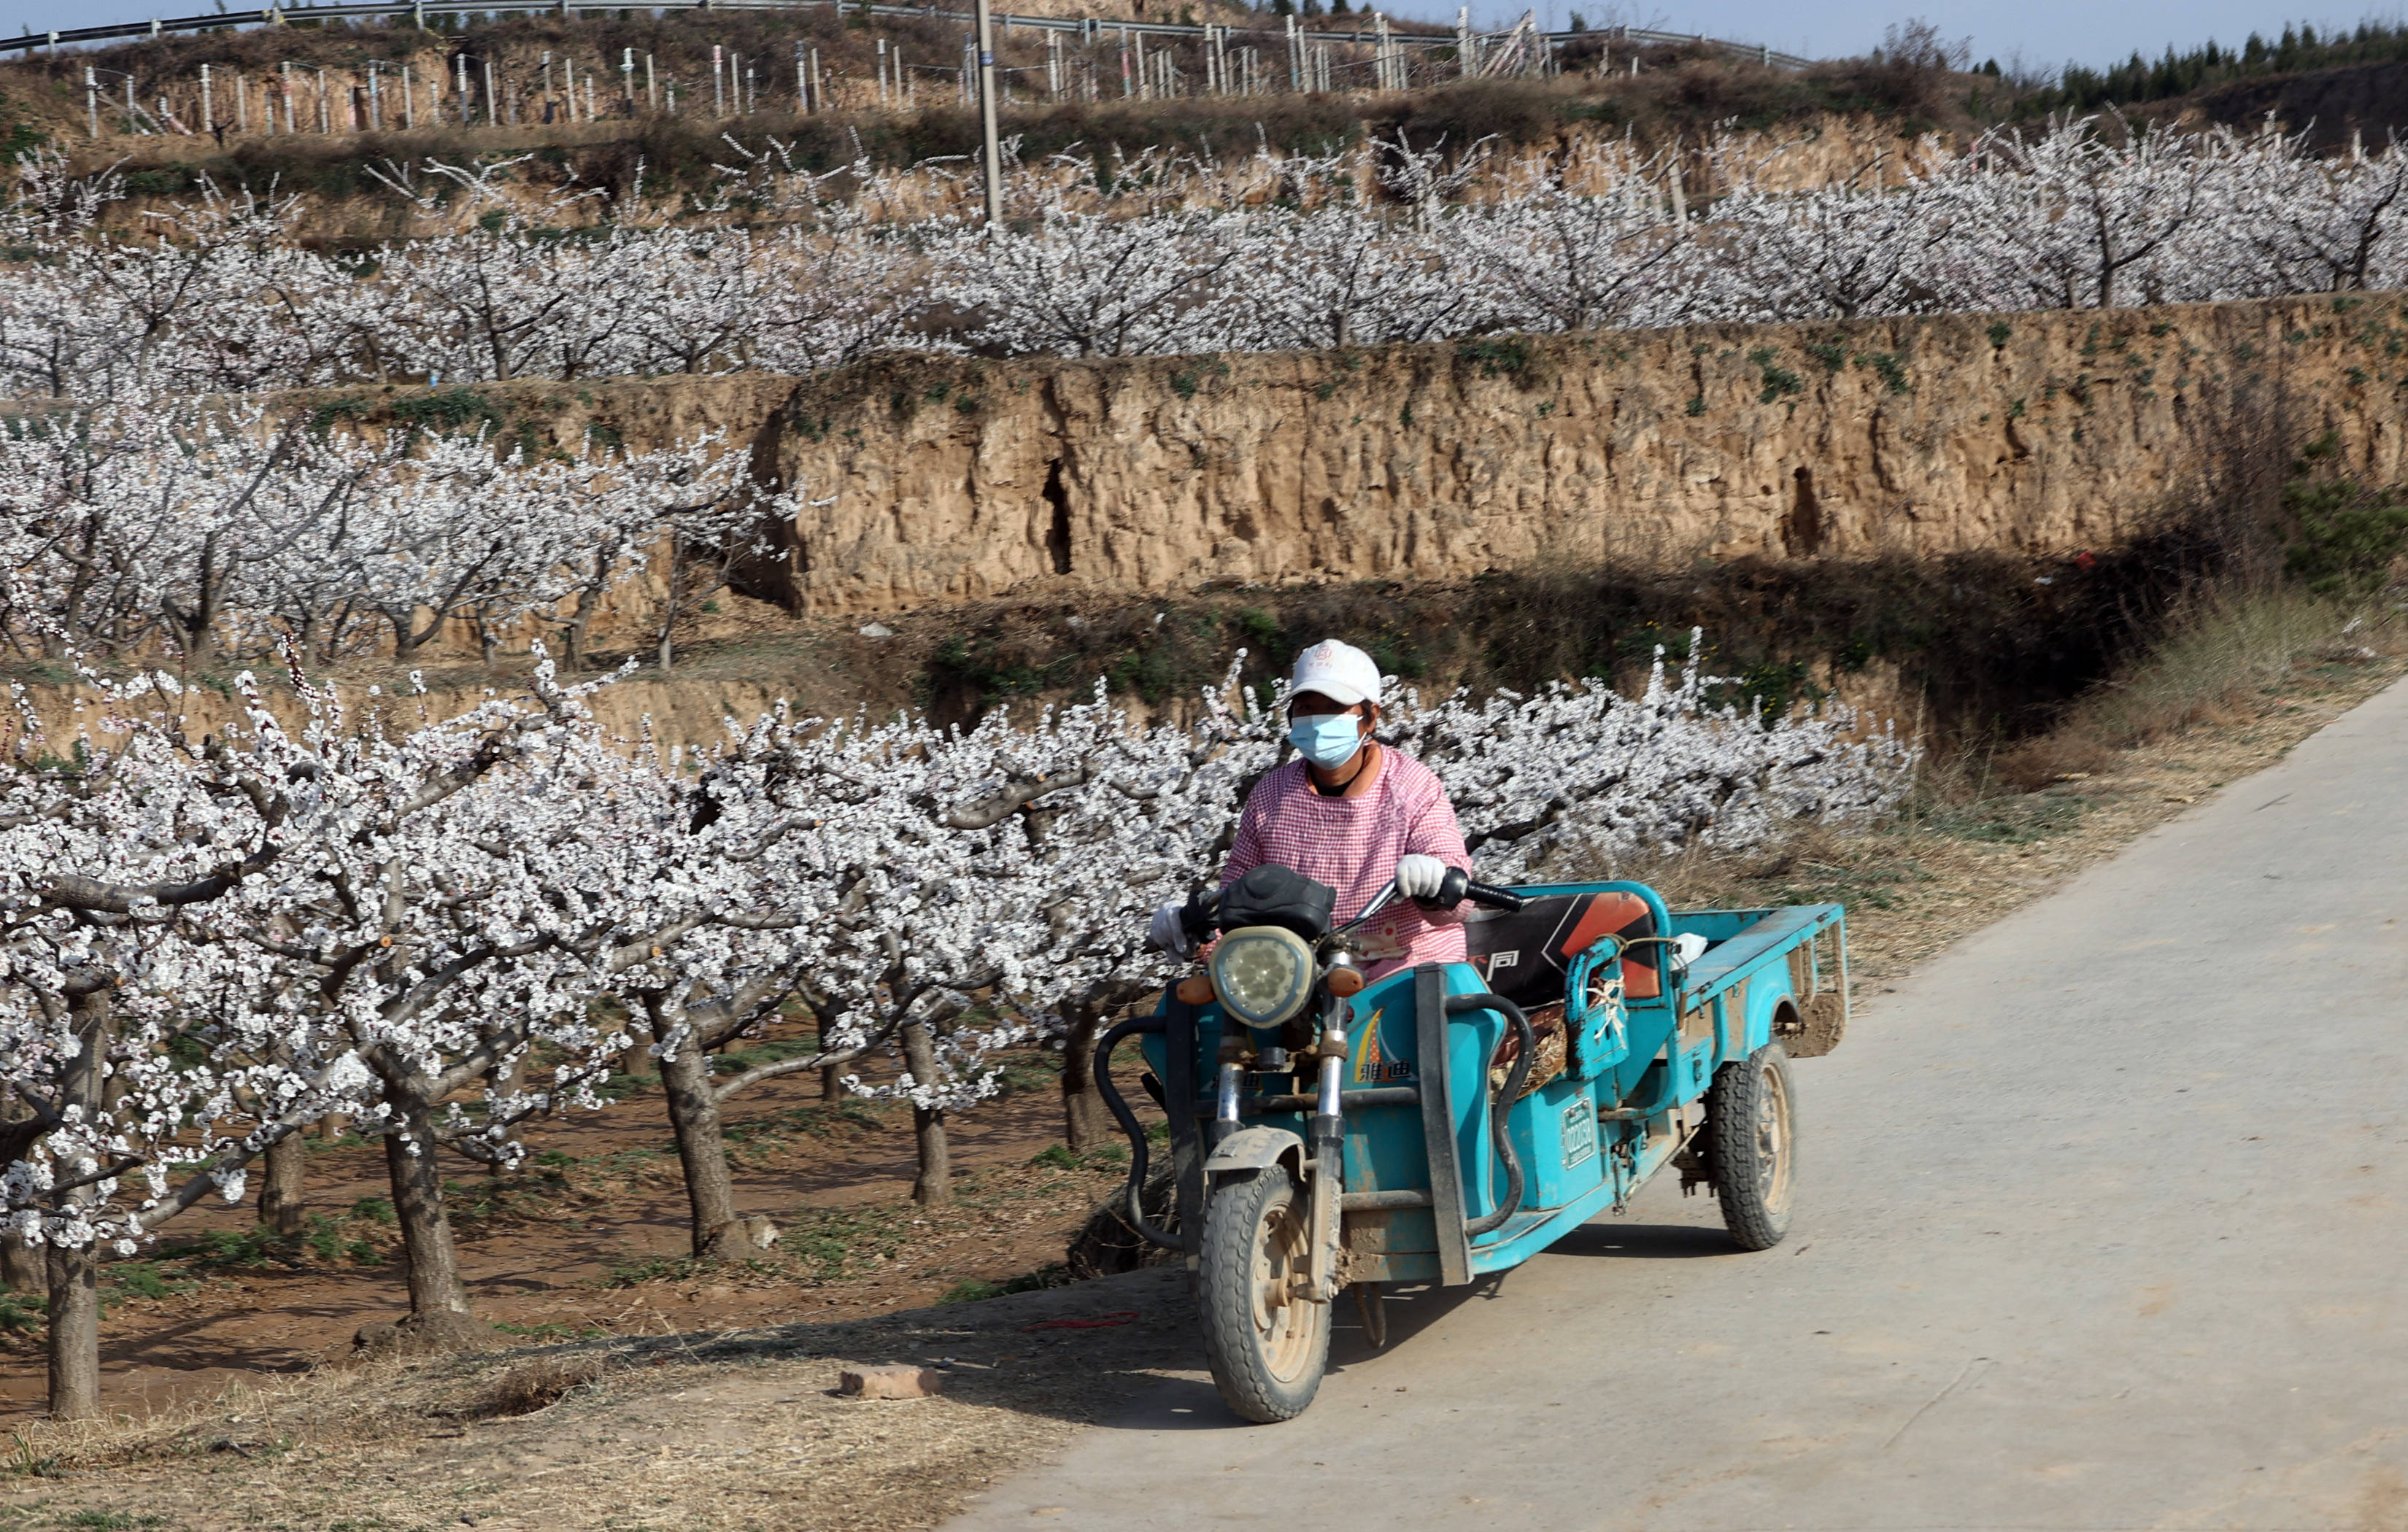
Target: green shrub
x=142 y=1279
x=978 y=1290
x=2345 y=534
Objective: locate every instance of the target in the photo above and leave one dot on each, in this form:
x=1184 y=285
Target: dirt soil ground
x=590 y=1238
x=651 y=1394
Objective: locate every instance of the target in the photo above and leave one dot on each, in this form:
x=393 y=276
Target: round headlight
x=1264 y=974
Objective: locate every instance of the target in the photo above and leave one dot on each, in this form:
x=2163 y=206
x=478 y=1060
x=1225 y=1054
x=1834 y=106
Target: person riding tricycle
x=1389 y=1072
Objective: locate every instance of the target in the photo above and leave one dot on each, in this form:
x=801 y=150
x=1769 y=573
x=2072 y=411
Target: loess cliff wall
x=939 y=479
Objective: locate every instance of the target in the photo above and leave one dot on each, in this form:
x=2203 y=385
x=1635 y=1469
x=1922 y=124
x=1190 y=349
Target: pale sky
x=2044 y=33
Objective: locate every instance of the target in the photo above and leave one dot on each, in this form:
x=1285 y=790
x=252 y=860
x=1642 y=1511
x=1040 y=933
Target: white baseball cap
x=1340 y=672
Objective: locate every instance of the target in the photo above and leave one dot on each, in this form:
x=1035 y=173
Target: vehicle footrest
x=1366 y=1202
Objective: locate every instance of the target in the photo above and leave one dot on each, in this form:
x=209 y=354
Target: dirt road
x=2101 y=1224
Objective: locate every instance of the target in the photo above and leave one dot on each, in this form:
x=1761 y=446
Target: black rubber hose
x=1135 y=1130
x=1455 y=1006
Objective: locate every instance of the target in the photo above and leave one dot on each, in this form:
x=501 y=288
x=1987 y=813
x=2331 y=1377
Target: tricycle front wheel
x=1752 y=1146
x=1267 y=1340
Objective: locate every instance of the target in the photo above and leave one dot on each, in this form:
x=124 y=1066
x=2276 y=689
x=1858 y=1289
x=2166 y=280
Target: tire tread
x=1730 y=1148
x=1225 y=1303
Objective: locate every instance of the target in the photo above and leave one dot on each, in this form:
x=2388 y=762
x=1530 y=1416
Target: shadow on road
x=1645 y=1241
x=1412 y=1310
x=1177 y=1404
x=1189 y=1403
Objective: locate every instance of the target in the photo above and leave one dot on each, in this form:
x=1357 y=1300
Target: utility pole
x=92 y=100
x=993 y=155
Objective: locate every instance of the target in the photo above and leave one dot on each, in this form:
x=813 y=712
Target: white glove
x=1418 y=877
x=1170 y=930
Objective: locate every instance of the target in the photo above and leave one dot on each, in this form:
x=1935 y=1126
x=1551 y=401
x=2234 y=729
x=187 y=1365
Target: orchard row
x=1111 y=255
x=216 y=532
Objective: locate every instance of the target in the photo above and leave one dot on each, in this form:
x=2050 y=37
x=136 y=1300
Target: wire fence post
x=990 y=145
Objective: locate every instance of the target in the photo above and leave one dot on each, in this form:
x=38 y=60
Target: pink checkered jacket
x=1353 y=845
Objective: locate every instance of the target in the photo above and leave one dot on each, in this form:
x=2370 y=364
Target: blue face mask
x=1328 y=740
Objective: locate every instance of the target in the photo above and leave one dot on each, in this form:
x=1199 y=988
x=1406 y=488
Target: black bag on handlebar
x=1269 y=895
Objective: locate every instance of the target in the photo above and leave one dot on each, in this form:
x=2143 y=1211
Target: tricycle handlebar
x=1494 y=896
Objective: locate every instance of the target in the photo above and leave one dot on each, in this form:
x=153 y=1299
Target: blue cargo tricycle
x=1454 y=1119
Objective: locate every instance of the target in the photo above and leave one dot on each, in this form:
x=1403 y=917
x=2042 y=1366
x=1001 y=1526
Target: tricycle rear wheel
x=1266 y=1341
x=1752 y=1146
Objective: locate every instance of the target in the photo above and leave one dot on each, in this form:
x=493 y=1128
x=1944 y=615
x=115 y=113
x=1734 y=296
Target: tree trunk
x=433 y=1261
x=1084 y=1120
x=669 y=608
x=694 y=1113
x=22 y=1265
x=280 y=1185
x=75 y=1273
x=831 y=1081
x=935 y=1187
x=589 y=601
x=74 y=1329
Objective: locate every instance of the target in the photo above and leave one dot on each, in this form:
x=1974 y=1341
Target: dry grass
x=687 y=1432
x=2220 y=657
x=540 y=1384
